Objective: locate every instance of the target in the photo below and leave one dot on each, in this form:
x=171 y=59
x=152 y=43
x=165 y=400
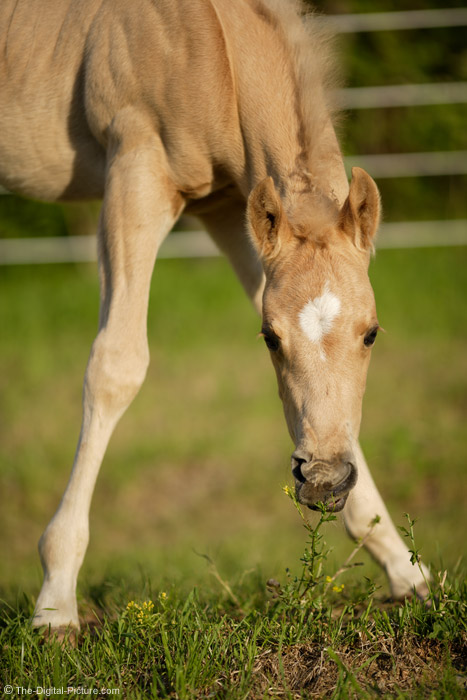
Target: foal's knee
x=116 y=371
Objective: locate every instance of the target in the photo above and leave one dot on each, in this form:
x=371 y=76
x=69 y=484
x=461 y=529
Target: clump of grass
x=367 y=645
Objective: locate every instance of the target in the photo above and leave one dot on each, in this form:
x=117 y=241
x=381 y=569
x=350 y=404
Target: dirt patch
x=379 y=668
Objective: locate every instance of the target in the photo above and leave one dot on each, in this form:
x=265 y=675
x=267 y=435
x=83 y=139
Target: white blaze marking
x=317 y=316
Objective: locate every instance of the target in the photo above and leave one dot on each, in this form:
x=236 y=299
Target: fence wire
x=198 y=244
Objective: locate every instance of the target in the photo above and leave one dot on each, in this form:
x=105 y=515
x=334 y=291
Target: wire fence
x=402 y=95
x=197 y=244
x=390 y=21
x=394 y=165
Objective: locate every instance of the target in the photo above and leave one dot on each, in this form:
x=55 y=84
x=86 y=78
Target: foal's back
x=68 y=69
x=46 y=148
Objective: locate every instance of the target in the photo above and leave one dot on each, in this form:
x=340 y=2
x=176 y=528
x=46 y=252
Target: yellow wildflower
x=140 y=612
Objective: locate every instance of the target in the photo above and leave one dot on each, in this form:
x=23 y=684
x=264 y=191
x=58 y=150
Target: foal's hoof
x=425 y=596
x=420 y=592
x=59 y=635
x=423 y=593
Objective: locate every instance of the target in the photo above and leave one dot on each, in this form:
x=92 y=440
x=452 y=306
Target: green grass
x=196 y=468
x=302 y=638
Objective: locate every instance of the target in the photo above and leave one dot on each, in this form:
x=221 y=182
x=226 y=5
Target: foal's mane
x=310 y=47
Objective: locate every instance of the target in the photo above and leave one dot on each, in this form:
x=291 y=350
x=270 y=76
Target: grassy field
x=196 y=469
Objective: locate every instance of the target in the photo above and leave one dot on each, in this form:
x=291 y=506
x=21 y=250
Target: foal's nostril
x=297 y=463
x=297 y=472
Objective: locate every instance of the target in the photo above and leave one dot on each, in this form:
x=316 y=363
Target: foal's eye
x=271 y=339
x=370 y=338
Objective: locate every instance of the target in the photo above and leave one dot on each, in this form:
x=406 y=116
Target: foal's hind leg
x=384 y=543
x=138 y=212
x=225 y=222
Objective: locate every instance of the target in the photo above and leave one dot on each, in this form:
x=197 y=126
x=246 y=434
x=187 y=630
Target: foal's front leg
x=384 y=543
x=138 y=212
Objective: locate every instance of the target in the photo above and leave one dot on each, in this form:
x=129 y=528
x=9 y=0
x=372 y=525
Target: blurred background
x=198 y=462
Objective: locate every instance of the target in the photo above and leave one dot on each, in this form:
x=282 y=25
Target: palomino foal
x=218 y=108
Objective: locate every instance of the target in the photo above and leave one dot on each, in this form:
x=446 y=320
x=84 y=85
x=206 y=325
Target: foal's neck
x=284 y=120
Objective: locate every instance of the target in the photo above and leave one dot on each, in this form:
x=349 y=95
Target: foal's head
x=319 y=323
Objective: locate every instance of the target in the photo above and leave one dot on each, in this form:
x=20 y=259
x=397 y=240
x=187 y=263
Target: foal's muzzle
x=325 y=481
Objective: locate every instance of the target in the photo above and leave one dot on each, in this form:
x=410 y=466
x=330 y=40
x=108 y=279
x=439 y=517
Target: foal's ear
x=360 y=213
x=266 y=219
